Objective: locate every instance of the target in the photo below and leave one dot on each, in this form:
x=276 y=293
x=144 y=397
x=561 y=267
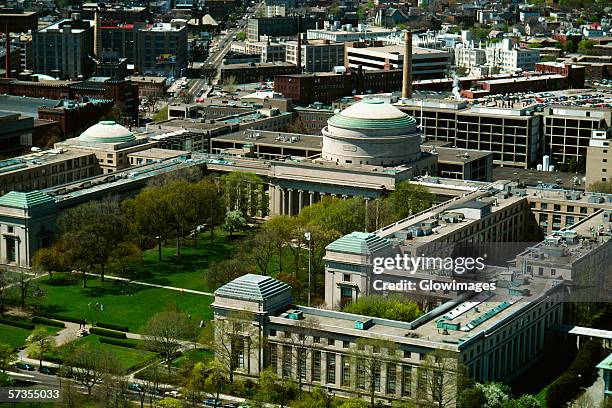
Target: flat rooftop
x=25 y=105
x=398 y=50
x=276 y=139
x=455 y=156
x=37 y=159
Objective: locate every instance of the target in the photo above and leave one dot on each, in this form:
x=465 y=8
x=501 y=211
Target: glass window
x=331 y=368
x=346 y=371
x=316 y=366
x=406 y=381
x=391 y=378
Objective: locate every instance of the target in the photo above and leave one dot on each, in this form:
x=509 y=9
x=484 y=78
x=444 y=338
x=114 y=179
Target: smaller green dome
x=107 y=131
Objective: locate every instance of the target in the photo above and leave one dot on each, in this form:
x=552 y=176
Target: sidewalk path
x=153 y=285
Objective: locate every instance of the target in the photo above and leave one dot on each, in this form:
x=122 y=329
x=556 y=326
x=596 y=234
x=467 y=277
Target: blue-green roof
x=606 y=364
x=252 y=287
x=30 y=199
x=363 y=115
x=362 y=243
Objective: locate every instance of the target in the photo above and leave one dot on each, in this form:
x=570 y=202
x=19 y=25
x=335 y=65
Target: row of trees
x=107 y=232
x=281 y=247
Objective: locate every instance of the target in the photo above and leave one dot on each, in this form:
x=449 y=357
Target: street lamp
x=308 y=237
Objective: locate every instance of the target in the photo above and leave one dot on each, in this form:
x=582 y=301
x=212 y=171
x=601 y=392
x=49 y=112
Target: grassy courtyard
x=124 y=304
x=128 y=357
x=16 y=336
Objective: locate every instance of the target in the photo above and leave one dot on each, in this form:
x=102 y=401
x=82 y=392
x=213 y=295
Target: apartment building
x=508 y=58
x=277 y=26
x=568 y=131
x=317 y=56
x=63 y=49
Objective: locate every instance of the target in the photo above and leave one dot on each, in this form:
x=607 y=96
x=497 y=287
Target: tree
x=161 y=115
x=274 y=390
x=495 y=393
x=368 y=356
x=7 y=279
x=231 y=336
x=601 y=187
x=241 y=36
x=50 y=259
x=586 y=46
x=234 y=221
x=215 y=379
x=526 y=401
x=220 y=273
x=262 y=247
x=7 y=356
x=409 y=198
x=163 y=332
x=441 y=373
x=39 y=343
x=125 y=255
x=150 y=212
x=24 y=281
x=244 y=191
x=170 y=403
x=88 y=365
x=301 y=340
x=229 y=84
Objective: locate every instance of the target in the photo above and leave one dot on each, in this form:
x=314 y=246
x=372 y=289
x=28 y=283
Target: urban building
x=277 y=26
x=110 y=143
x=162 y=49
x=426 y=63
x=568 y=131
x=461 y=164
x=347 y=33
x=64 y=49
x=305 y=89
x=149 y=86
x=499 y=57
x=599 y=157
x=15 y=133
x=316 y=56
x=269 y=51
x=265 y=71
x=43 y=169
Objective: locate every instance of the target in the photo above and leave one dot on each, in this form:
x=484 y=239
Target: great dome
x=373 y=115
x=371 y=132
x=107 y=131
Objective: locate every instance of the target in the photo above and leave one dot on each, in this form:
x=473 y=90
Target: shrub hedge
x=18 y=323
x=47 y=322
x=107 y=333
x=112 y=326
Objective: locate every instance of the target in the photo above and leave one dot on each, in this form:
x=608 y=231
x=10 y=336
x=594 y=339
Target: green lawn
x=124 y=304
x=16 y=336
x=129 y=357
x=188 y=270
x=194 y=355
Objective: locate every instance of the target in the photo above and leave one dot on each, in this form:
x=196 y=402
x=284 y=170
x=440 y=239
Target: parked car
x=49 y=370
x=24 y=366
x=134 y=387
x=212 y=403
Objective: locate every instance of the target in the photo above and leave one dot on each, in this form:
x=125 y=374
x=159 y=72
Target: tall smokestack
x=97 y=39
x=299 y=52
x=407 y=77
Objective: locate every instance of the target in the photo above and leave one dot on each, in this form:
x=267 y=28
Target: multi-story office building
x=426 y=63
x=15 y=133
x=269 y=51
x=599 y=157
x=470 y=58
x=568 y=131
x=347 y=34
x=162 y=49
x=513 y=135
x=119 y=40
x=317 y=56
x=64 y=49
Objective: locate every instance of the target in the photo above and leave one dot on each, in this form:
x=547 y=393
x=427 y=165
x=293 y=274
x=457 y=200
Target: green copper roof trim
x=30 y=199
x=362 y=243
x=342 y=121
x=252 y=287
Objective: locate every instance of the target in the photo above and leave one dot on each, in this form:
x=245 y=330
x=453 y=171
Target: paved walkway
x=152 y=285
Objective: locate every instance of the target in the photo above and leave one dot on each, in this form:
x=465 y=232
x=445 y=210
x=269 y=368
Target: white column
x=312 y=197
x=300 y=200
x=290 y=211
x=283 y=207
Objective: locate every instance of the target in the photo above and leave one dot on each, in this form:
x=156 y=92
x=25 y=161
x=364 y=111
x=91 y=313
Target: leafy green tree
x=215 y=379
x=442 y=374
x=495 y=394
x=471 y=397
x=169 y=402
x=409 y=198
x=241 y=36
x=354 y=403
x=50 y=259
x=163 y=332
x=586 y=46
x=39 y=343
x=8 y=356
x=524 y=401
x=234 y=221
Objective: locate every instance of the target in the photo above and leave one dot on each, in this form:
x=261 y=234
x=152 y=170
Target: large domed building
x=371 y=132
x=110 y=142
